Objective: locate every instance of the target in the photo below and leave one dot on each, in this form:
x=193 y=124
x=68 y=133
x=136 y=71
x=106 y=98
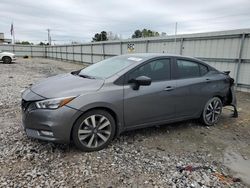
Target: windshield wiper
x=86 y=76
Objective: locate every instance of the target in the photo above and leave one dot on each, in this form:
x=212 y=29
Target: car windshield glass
x=108 y=67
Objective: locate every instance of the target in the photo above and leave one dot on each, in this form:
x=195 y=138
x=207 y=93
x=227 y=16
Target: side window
x=188 y=69
x=203 y=70
x=157 y=70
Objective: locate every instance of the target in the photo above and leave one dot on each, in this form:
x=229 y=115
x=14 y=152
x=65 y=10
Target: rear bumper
x=233 y=101
x=57 y=122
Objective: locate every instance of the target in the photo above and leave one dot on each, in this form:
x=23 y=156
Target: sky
x=79 y=20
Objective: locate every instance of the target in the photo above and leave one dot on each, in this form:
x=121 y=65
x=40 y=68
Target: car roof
x=145 y=56
x=148 y=56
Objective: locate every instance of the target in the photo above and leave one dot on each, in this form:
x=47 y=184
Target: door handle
x=169 y=88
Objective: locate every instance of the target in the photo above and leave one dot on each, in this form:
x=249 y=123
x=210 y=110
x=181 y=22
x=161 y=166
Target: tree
x=42 y=44
x=145 y=33
x=137 y=34
x=100 y=37
x=24 y=43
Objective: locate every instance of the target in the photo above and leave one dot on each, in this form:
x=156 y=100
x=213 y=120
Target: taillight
x=231 y=81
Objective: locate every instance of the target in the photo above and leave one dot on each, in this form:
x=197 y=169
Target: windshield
x=108 y=67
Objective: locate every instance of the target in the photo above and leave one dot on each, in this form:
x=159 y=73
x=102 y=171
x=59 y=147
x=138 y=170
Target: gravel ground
x=154 y=157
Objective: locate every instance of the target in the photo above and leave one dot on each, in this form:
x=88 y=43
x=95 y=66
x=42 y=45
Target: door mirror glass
x=140 y=81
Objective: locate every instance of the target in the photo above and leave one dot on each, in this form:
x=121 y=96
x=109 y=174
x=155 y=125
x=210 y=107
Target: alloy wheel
x=6 y=60
x=94 y=131
x=213 y=111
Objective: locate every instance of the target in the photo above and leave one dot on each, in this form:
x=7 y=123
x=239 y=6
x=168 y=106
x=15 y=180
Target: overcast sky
x=79 y=20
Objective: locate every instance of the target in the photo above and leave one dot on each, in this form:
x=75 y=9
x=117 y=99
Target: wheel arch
x=6 y=56
x=222 y=98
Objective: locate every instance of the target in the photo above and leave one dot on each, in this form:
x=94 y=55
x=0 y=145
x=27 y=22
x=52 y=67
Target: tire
x=212 y=111
x=6 y=60
x=94 y=130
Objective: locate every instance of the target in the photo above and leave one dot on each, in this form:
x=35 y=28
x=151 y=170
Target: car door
x=151 y=103
x=193 y=87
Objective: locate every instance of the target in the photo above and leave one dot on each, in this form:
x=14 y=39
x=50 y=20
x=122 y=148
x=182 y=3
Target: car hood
x=7 y=53
x=65 y=85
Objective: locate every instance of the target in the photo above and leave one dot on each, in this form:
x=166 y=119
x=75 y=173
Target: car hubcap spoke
x=84 y=131
x=102 y=137
x=103 y=125
x=83 y=137
x=91 y=140
x=94 y=131
x=93 y=122
x=86 y=122
x=209 y=114
x=210 y=107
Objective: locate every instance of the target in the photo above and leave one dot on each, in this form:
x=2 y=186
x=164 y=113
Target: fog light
x=47 y=133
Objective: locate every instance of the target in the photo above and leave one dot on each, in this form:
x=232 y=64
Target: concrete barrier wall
x=23 y=50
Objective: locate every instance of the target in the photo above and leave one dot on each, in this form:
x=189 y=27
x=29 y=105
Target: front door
x=153 y=103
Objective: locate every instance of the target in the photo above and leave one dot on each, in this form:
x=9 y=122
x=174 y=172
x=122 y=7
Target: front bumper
x=58 y=122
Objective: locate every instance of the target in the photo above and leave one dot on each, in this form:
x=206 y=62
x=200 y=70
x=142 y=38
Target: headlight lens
x=53 y=103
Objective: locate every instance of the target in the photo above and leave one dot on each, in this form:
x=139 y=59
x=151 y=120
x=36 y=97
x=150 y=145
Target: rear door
x=193 y=87
x=151 y=103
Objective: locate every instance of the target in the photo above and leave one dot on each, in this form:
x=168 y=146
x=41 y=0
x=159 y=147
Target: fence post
x=147 y=46
x=73 y=51
x=181 y=45
x=52 y=52
x=121 y=48
x=45 y=52
x=243 y=35
x=81 y=54
x=61 y=52
x=103 y=50
x=92 y=53
x=66 y=53
x=31 y=51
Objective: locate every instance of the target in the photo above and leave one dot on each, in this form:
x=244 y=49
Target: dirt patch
x=149 y=157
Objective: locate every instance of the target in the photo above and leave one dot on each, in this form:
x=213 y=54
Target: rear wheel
x=212 y=111
x=94 y=130
x=6 y=60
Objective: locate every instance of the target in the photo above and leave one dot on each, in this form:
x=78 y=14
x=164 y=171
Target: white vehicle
x=7 y=57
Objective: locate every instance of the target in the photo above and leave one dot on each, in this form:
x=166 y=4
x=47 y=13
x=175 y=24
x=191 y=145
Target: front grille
x=25 y=104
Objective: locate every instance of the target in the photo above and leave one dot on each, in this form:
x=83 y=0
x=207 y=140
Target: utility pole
x=12 y=32
x=175 y=33
x=49 y=37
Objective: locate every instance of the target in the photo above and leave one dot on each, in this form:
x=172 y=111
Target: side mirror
x=140 y=81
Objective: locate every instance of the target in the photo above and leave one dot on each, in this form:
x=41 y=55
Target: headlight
x=53 y=103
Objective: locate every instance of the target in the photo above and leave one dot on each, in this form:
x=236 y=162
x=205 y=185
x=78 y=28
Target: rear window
x=203 y=70
x=190 y=69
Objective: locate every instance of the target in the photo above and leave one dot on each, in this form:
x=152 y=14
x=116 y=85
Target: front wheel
x=212 y=111
x=7 y=60
x=94 y=130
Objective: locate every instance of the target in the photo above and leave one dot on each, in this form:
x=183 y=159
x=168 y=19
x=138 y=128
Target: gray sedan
x=93 y=105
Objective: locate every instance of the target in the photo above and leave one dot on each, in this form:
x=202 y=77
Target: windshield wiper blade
x=86 y=76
